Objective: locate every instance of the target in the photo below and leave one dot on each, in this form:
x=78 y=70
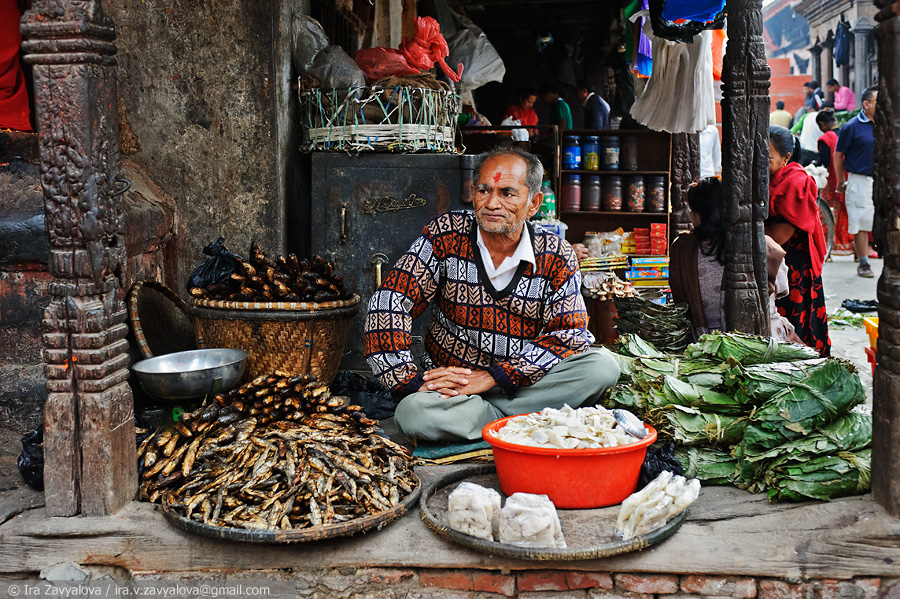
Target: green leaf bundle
x=760 y=382
x=692 y=427
x=828 y=392
x=747 y=349
x=851 y=432
x=826 y=477
x=712 y=466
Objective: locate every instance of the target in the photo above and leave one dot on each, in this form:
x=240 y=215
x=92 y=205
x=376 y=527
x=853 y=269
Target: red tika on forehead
x=497 y=176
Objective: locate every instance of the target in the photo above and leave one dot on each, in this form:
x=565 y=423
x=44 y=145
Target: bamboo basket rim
x=277 y=306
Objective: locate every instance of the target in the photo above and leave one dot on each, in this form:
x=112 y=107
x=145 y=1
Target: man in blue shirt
x=854 y=156
x=596 y=110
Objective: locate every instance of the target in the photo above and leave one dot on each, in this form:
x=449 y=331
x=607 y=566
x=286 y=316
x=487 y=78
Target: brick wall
x=382 y=583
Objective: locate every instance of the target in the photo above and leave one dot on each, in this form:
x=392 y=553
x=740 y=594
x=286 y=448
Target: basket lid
x=160 y=320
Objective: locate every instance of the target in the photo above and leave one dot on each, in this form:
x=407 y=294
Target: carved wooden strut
x=886 y=391
x=745 y=167
x=89 y=442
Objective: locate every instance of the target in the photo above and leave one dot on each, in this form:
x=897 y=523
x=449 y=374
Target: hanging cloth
x=14 y=111
x=842 y=37
x=718 y=53
x=679 y=97
x=680 y=32
x=692 y=10
x=642 y=55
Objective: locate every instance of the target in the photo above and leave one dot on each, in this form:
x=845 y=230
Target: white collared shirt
x=503 y=274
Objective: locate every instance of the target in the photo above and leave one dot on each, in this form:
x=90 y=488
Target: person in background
x=697 y=267
x=843 y=241
x=523 y=110
x=14 y=110
x=809 y=138
x=777 y=275
x=780 y=116
x=596 y=110
x=710 y=152
x=508 y=332
x=844 y=98
x=853 y=158
x=814 y=95
x=794 y=224
x=560 y=113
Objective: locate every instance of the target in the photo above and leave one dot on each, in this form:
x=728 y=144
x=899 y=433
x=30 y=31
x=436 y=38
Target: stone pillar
x=827 y=64
x=886 y=394
x=861 y=29
x=745 y=167
x=89 y=443
x=816 y=70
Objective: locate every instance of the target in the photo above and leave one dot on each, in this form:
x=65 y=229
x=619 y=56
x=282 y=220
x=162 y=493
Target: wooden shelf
x=622 y=173
x=616 y=213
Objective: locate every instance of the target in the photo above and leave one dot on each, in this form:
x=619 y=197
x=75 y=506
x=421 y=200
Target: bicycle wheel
x=826 y=216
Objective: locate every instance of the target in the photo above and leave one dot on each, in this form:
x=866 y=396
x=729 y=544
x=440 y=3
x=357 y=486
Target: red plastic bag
x=416 y=54
x=383 y=62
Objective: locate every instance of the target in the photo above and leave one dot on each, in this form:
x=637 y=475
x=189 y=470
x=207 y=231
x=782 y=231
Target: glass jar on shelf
x=656 y=193
x=571 y=156
x=611 y=148
x=634 y=197
x=571 y=193
x=612 y=193
x=590 y=193
x=628 y=156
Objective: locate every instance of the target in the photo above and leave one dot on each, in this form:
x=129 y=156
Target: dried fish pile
x=277 y=453
x=261 y=279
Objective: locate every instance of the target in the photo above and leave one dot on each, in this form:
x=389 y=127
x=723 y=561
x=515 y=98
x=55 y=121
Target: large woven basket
x=366 y=119
x=298 y=337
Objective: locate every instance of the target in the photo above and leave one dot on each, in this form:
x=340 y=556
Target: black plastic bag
x=660 y=456
x=376 y=401
x=31 y=460
x=216 y=269
x=855 y=305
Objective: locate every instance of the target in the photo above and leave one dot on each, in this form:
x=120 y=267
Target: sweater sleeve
x=406 y=292
x=564 y=332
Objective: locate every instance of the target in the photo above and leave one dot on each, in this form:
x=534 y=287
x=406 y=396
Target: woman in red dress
x=794 y=224
x=843 y=241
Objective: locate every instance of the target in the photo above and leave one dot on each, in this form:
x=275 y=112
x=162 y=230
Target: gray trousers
x=578 y=380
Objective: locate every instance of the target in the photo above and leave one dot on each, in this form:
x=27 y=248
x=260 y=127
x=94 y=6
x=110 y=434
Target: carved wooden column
x=685 y=170
x=745 y=167
x=89 y=443
x=886 y=394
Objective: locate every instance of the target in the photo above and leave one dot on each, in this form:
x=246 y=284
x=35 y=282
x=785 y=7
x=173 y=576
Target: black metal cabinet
x=368 y=209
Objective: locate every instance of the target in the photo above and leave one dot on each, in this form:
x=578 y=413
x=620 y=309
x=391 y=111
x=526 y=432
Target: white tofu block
x=474 y=510
x=529 y=520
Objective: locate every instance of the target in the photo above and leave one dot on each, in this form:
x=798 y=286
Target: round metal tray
x=326 y=531
x=589 y=534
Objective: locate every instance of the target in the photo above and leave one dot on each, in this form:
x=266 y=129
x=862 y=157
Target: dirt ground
x=840 y=282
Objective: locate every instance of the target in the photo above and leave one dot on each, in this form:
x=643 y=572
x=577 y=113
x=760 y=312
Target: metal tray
x=589 y=534
x=327 y=531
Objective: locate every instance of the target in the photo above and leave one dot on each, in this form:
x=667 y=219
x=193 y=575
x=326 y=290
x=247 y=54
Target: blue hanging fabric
x=692 y=10
x=684 y=31
x=842 y=39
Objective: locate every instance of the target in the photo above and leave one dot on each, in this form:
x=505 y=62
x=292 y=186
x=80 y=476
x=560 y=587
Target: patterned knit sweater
x=517 y=333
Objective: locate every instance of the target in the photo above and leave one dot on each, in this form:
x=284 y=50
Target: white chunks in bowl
x=529 y=520
x=566 y=428
x=662 y=499
x=474 y=510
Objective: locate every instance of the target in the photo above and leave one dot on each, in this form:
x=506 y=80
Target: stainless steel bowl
x=191 y=374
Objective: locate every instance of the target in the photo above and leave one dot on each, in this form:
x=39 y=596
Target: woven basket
x=298 y=337
x=398 y=119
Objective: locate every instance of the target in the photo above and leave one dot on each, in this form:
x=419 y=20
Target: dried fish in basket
x=284 y=279
x=279 y=453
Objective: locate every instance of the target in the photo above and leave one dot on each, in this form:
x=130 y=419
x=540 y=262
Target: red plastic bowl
x=572 y=478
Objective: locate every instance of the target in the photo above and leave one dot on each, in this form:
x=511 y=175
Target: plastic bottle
x=590 y=153
x=571 y=158
x=611 y=153
x=548 y=207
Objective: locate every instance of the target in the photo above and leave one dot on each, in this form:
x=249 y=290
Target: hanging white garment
x=679 y=96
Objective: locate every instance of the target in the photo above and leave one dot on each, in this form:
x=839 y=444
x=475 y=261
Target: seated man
x=508 y=332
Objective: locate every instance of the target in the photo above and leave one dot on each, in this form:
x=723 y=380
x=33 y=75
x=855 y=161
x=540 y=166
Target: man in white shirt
x=710 y=152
